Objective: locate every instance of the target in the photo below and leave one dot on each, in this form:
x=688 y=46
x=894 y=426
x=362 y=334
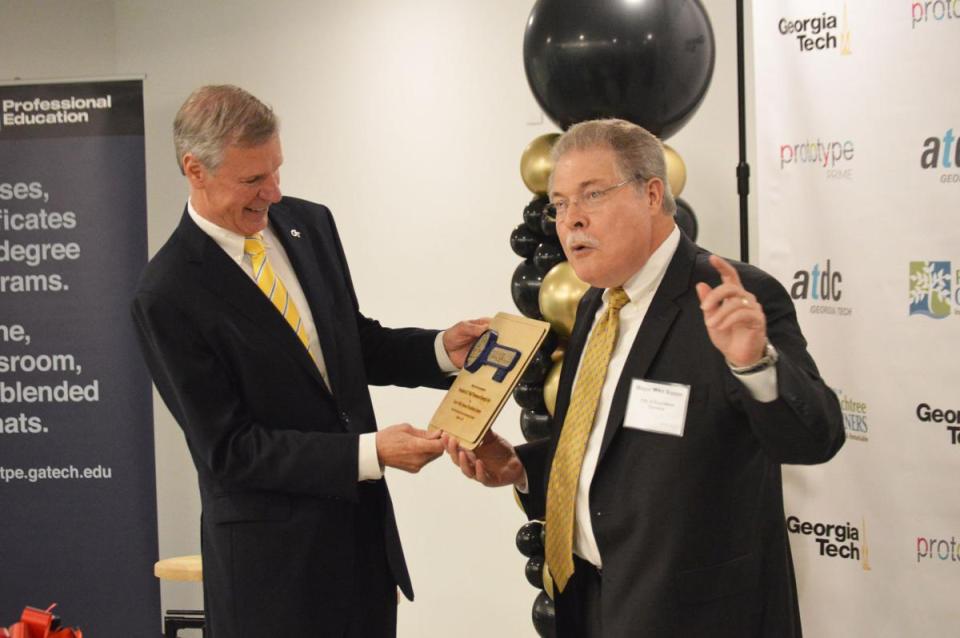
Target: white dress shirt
x=641 y=288
x=232 y=243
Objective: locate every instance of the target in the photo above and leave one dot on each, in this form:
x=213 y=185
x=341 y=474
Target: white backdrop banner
x=858 y=180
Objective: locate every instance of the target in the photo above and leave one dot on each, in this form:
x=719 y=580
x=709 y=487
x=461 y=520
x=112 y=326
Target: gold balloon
x=535 y=163
x=550 y=385
x=676 y=170
x=560 y=293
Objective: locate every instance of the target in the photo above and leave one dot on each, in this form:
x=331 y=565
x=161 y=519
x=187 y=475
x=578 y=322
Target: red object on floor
x=38 y=623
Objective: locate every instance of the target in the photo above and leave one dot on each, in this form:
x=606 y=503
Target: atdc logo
x=928 y=414
x=938 y=549
x=940 y=154
x=854 y=417
x=931 y=288
x=834 y=157
x=820 y=284
x=835 y=540
x=818 y=33
x=936 y=11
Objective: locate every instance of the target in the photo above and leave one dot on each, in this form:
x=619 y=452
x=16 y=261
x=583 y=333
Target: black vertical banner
x=78 y=522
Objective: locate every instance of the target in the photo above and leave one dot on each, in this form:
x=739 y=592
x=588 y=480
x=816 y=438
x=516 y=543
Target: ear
x=654 y=193
x=194 y=170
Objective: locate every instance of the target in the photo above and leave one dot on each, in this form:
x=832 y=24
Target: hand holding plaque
x=491 y=371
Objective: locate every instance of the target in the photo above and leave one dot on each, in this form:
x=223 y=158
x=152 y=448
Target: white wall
x=408 y=119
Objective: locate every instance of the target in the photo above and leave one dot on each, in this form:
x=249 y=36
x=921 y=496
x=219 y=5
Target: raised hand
x=734 y=319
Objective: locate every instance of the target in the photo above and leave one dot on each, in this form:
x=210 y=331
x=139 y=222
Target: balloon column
x=648 y=62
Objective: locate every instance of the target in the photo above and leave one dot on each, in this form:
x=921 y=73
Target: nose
x=270 y=190
x=574 y=216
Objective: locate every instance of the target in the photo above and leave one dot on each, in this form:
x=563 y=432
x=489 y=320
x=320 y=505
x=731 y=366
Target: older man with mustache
x=686 y=384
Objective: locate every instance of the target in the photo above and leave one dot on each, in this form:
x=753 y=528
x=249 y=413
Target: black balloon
x=686 y=219
x=547 y=255
x=535 y=425
x=525 y=288
x=544 y=616
x=538 y=368
x=530 y=396
x=550 y=342
x=534 y=571
x=533 y=212
x=524 y=241
x=647 y=62
x=530 y=539
x=548 y=224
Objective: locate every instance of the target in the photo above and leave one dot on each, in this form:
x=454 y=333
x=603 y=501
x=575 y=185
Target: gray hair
x=638 y=152
x=217 y=116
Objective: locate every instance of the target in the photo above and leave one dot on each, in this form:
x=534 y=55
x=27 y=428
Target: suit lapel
x=223 y=279
x=660 y=316
x=301 y=252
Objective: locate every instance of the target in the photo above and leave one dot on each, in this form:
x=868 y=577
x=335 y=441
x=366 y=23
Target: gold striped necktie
x=272 y=287
x=565 y=471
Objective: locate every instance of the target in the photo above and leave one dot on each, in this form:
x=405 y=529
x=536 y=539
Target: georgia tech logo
x=818 y=33
x=835 y=540
x=931 y=288
x=928 y=414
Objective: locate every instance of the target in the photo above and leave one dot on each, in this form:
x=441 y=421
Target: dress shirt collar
x=646 y=280
x=231 y=242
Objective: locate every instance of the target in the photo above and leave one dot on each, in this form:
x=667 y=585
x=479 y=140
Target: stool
x=181 y=568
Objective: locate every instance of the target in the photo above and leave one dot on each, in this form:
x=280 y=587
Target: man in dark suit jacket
x=679 y=521
x=298 y=532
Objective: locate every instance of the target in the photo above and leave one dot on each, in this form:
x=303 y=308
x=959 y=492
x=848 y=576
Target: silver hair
x=217 y=116
x=638 y=152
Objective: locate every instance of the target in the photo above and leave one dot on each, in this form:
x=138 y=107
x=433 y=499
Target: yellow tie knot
x=253 y=245
x=618 y=298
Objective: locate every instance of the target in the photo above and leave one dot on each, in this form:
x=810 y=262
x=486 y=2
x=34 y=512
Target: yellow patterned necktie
x=272 y=287
x=565 y=471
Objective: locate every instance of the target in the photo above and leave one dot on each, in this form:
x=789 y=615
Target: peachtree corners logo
x=854 y=417
x=930 y=288
x=938 y=548
x=818 y=33
x=843 y=541
x=936 y=11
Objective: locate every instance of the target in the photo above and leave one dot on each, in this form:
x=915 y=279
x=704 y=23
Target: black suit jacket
x=691 y=529
x=275 y=450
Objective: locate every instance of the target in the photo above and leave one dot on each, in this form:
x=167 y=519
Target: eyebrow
x=582 y=185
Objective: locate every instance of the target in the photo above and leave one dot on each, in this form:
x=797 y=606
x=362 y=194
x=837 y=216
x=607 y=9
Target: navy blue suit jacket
x=276 y=452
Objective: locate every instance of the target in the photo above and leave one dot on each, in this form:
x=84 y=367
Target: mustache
x=578 y=237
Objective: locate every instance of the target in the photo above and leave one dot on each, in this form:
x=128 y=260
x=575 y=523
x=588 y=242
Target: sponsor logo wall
x=858 y=183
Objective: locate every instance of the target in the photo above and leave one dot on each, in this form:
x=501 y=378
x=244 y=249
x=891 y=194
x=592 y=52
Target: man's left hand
x=734 y=319
x=458 y=339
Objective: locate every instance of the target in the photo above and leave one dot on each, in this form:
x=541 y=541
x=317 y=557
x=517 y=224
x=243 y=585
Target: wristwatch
x=768 y=359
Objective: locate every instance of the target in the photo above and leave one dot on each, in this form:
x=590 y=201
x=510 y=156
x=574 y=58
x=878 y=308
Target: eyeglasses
x=589 y=200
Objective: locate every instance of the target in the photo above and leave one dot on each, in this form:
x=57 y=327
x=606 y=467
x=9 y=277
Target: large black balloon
x=544 y=616
x=538 y=368
x=524 y=241
x=547 y=255
x=535 y=425
x=648 y=62
x=533 y=213
x=530 y=396
x=530 y=539
x=525 y=288
x=534 y=571
x=686 y=219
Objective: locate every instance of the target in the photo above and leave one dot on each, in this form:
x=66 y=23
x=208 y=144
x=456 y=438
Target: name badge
x=656 y=406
